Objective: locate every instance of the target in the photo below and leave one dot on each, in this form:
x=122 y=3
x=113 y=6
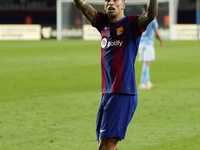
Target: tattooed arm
x=88 y=11
x=149 y=15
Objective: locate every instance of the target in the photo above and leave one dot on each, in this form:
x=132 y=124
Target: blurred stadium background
x=50 y=90
x=44 y=13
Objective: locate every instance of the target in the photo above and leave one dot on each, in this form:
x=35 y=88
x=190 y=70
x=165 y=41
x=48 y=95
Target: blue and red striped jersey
x=119 y=47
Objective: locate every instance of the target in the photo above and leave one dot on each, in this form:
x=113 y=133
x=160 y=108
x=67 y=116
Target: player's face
x=114 y=7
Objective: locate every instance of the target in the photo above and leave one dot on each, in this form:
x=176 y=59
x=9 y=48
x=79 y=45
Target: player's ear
x=123 y=7
x=104 y=6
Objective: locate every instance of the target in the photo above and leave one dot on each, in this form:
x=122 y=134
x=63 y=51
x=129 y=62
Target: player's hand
x=162 y=44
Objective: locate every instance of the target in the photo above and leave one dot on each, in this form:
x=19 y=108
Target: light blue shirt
x=147 y=36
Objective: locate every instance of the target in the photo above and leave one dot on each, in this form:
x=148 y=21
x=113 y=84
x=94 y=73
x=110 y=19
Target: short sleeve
x=102 y=18
x=155 y=24
x=134 y=22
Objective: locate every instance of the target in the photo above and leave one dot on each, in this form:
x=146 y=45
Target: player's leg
x=150 y=59
x=147 y=69
x=149 y=56
x=143 y=77
x=143 y=56
x=104 y=143
x=148 y=81
x=107 y=143
x=116 y=113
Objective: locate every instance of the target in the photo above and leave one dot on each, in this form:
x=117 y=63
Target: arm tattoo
x=152 y=9
x=88 y=11
x=143 y=21
x=150 y=15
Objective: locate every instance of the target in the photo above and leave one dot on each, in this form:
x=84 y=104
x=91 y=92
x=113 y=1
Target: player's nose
x=110 y=2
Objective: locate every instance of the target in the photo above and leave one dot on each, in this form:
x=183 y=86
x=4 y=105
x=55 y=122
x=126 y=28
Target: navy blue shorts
x=114 y=114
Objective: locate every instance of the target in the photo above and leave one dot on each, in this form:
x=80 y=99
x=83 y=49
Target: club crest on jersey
x=103 y=42
x=120 y=30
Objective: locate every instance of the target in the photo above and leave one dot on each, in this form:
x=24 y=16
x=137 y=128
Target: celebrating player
x=120 y=38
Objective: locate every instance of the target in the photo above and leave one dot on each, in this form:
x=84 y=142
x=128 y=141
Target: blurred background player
x=147 y=51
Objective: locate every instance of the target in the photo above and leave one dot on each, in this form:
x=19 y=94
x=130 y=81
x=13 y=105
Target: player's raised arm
x=88 y=11
x=146 y=18
x=159 y=38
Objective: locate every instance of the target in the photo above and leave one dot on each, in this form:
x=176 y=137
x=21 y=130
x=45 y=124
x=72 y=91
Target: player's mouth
x=111 y=9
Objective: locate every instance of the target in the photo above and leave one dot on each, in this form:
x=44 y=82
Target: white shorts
x=146 y=53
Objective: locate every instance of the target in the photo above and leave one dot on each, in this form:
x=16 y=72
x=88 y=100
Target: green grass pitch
x=50 y=93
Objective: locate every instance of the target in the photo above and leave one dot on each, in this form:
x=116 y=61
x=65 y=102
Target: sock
x=147 y=74
x=143 y=76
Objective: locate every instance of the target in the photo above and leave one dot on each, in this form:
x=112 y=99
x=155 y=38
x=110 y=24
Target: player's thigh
x=99 y=116
x=141 y=51
x=149 y=54
x=117 y=114
x=152 y=51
